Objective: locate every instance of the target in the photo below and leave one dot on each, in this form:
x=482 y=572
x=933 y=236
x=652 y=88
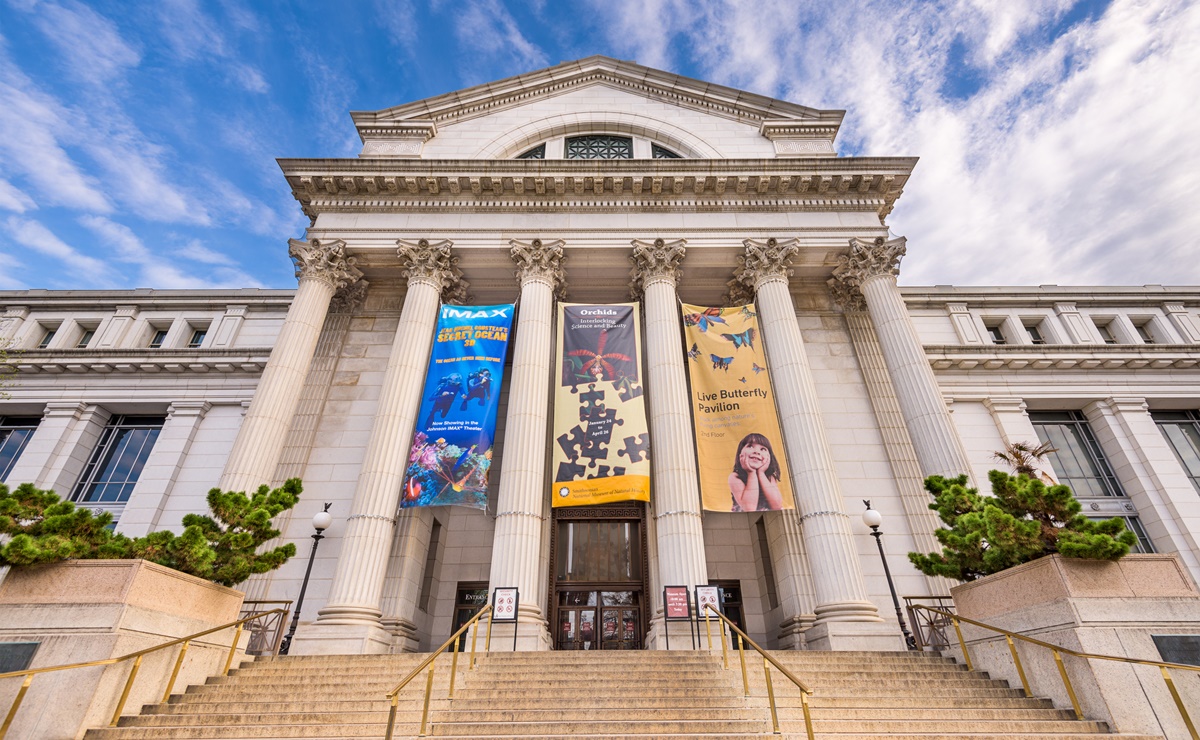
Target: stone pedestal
x=1098 y=607
x=86 y=610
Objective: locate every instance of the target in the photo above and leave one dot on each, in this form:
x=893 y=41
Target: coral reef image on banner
x=738 y=442
x=602 y=447
x=452 y=446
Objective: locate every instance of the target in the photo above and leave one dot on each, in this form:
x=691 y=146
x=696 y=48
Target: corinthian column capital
x=323 y=260
x=868 y=259
x=538 y=260
x=762 y=261
x=656 y=260
x=432 y=263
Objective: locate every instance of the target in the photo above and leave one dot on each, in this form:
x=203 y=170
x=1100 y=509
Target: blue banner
x=452 y=446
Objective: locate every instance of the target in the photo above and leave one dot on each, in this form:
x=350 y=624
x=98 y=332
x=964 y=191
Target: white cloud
x=13 y=199
x=88 y=42
x=32 y=234
x=194 y=36
x=491 y=34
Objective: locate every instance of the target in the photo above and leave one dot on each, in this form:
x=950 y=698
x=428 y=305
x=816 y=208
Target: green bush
x=222 y=547
x=1023 y=520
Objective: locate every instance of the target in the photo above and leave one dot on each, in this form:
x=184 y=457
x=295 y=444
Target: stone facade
x=879 y=385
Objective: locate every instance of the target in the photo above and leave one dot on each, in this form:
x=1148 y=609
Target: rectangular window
x=1078 y=461
x=116 y=463
x=85 y=338
x=47 y=337
x=15 y=432
x=1035 y=334
x=197 y=338
x=1182 y=430
x=1143 y=331
x=996 y=334
x=1106 y=333
x=160 y=336
x=1143 y=544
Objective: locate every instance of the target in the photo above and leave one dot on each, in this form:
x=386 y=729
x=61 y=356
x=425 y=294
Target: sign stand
x=706 y=596
x=677 y=607
x=505 y=602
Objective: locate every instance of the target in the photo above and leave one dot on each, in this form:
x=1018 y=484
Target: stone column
x=845 y=618
x=350 y=620
x=679 y=530
x=871 y=268
x=521 y=509
x=322 y=268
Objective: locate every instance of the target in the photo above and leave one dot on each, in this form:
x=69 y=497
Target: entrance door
x=599 y=578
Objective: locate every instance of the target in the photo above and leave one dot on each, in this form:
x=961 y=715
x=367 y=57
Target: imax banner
x=738 y=443
x=602 y=450
x=452 y=445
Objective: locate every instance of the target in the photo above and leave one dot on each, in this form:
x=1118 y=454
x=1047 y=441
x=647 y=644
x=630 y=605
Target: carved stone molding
x=350 y=298
x=764 y=260
x=845 y=295
x=737 y=293
x=656 y=260
x=432 y=263
x=538 y=260
x=327 y=261
x=865 y=260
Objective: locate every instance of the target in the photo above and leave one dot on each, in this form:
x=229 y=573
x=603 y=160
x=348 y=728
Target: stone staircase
x=638 y=694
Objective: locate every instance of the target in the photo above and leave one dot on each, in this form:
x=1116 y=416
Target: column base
x=358 y=638
x=793 y=631
x=681 y=635
x=873 y=636
x=404 y=635
x=532 y=635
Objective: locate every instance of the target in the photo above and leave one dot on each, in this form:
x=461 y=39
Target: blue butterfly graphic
x=744 y=339
x=694 y=352
x=708 y=317
x=757 y=368
x=721 y=363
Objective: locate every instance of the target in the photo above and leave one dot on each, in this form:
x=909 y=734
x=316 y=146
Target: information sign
x=707 y=596
x=677 y=602
x=504 y=605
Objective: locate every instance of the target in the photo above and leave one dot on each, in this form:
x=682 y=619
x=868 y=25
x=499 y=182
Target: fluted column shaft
x=872 y=268
x=517 y=543
x=362 y=564
x=321 y=269
x=679 y=528
x=840 y=592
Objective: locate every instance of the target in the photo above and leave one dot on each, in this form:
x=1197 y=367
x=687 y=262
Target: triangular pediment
x=481 y=100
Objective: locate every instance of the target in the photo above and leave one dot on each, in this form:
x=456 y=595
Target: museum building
x=602 y=182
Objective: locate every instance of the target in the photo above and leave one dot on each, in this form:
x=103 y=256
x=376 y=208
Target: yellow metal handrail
x=768 y=661
x=136 y=657
x=1058 y=652
x=394 y=695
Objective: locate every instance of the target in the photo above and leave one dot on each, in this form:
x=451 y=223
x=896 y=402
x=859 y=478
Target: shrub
x=1023 y=520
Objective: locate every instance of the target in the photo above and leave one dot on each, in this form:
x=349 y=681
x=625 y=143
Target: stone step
x=653 y=728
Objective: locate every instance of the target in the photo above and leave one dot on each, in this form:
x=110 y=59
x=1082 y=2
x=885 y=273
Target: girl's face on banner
x=755 y=457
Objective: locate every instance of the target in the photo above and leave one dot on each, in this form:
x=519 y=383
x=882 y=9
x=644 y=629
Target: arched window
x=661 y=152
x=601 y=146
x=538 y=152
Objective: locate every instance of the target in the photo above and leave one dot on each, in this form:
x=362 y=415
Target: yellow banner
x=738 y=443
x=602 y=446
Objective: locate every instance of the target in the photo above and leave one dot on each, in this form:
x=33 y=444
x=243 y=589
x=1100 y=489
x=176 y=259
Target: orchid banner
x=452 y=446
x=738 y=443
x=602 y=447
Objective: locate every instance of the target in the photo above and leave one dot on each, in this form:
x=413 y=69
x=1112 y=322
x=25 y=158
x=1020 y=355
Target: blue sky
x=1059 y=140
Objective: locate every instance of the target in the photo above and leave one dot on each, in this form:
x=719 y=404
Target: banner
x=738 y=442
x=452 y=446
x=602 y=450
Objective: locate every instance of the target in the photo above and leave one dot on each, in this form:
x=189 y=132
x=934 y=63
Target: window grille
x=600 y=147
x=1078 y=461
x=538 y=152
x=661 y=152
x=15 y=432
x=116 y=463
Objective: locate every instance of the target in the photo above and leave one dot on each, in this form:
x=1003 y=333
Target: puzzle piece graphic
x=600 y=415
x=636 y=448
x=605 y=472
x=630 y=391
x=591 y=399
x=594 y=450
x=569 y=471
x=568 y=442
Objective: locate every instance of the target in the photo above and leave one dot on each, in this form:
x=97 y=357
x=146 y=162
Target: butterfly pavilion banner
x=452 y=445
x=738 y=443
x=602 y=446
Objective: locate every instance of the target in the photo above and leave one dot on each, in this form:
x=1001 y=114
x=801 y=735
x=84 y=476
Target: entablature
x=1063 y=357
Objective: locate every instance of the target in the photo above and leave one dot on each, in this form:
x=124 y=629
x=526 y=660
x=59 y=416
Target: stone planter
x=86 y=610
x=1099 y=607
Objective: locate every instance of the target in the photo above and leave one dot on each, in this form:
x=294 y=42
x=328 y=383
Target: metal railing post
x=175 y=673
x=391 y=726
x=771 y=695
x=137 y=663
x=963 y=644
x=428 y=691
x=474 y=639
x=1020 y=669
x=807 y=715
x=232 y=650
x=487 y=641
x=708 y=628
x=12 y=711
x=453 y=668
x=742 y=656
x=1187 y=720
x=1062 y=671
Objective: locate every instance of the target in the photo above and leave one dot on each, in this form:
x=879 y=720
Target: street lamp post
x=873 y=519
x=320 y=521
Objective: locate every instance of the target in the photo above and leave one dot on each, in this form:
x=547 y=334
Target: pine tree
x=1023 y=520
x=45 y=529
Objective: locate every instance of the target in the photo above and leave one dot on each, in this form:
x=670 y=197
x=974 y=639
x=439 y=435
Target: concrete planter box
x=1100 y=607
x=85 y=610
